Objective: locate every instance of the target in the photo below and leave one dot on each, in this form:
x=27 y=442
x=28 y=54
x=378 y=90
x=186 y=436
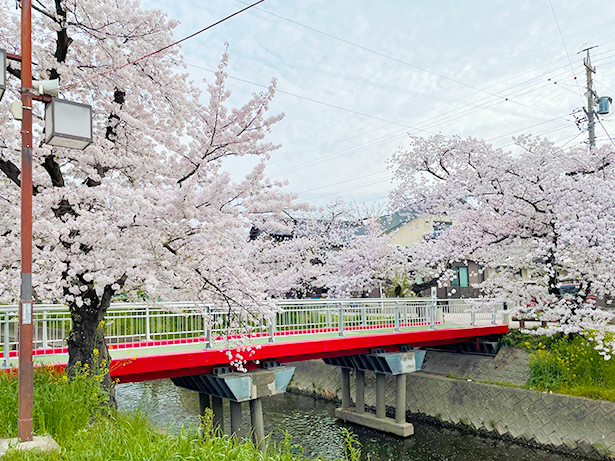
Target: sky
x=355 y=78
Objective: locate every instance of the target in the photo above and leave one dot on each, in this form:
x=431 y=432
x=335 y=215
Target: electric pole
x=591 y=125
x=26 y=374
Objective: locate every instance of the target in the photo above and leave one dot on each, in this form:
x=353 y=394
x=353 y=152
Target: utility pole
x=26 y=391
x=591 y=125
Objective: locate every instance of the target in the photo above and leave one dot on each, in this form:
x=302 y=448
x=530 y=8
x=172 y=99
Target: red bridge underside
x=170 y=365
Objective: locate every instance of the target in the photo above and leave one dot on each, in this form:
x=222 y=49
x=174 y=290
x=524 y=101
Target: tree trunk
x=87 y=346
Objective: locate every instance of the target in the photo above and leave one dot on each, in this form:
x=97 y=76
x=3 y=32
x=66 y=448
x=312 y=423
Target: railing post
x=148 y=335
x=272 y=328
x=493 y=316
x=397 y=326
x=328 y=314
x=7 y=343
x=207 y=325
x=45 y=339
x=472 y=318
x=364 y=315
x=340 y=320
x=432 y=308
x=505 y=314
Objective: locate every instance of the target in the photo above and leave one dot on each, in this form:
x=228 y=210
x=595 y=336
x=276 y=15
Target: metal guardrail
x=129 y=323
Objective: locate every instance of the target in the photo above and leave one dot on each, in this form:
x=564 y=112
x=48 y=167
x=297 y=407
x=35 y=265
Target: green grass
x=73 y=412
x=564 y=365
x=60 y=407
x=130 y=437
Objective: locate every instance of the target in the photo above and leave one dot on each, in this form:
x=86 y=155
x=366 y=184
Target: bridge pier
x=236 y=417
x=381 y=363
x=236 y=387
x=359 y=391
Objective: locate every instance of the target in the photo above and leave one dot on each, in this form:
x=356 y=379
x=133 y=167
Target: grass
x=73 y=412
x=564 y=365
x=60 y=407
x=130 y=437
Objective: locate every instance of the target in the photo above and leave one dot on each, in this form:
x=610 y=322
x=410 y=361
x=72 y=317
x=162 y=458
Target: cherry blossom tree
x=540 y=211
x=147 y=208
x=329 y=250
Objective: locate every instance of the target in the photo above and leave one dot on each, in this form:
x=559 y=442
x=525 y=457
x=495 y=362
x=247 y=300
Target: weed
x=352 y=447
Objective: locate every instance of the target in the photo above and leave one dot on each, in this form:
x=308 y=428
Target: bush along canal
x=312 y=424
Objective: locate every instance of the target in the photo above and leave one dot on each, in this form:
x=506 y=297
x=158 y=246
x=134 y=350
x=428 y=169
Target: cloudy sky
x=355 y=77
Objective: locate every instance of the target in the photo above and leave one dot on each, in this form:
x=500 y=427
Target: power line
x=316 y=101
x=393 y=136
x=386 y=56
x=565 y=48
x=163 y=48
x=312 y=197
x=416 y=128
x=607 y=133
x=343 y=182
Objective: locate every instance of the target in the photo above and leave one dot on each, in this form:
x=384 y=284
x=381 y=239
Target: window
x=461 y=277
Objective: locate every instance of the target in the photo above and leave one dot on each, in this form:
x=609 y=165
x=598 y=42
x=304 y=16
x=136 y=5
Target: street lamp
x=72 y=132
x=68 y=124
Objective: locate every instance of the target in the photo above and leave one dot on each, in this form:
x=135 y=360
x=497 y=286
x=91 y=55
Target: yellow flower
x=95 y=351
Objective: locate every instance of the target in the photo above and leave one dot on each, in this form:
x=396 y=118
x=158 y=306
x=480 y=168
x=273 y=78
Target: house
x=418 y=228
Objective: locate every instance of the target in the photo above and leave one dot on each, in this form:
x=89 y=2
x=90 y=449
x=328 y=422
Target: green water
x=312 y=425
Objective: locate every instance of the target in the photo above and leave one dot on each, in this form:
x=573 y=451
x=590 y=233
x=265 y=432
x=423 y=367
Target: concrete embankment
x=564 y=424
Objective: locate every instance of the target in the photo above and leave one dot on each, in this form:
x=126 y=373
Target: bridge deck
x=142 y=362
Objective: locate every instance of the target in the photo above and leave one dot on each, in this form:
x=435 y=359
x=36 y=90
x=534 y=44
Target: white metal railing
x=127 y=324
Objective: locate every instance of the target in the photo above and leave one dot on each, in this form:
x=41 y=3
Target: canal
x=312 y=425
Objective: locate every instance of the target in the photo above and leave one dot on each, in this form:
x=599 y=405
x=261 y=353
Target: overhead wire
x=603 y=127
x=399 y=61
x=416 y=127
x=101 y=74
x=565 y=47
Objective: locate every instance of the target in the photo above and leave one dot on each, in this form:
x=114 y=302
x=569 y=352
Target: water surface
x=313 y=426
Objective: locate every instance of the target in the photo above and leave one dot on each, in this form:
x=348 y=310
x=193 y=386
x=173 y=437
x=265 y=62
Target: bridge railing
x=134 y=324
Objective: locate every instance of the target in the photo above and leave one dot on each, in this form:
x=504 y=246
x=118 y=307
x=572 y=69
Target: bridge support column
x=258 y=426
x=204 y=403
x=400 y=399
x=218 y=409
x=223 y=383
x=398 y=364
x=236 y=417
x=360 y=391
x=381 y=411
x=345 y=387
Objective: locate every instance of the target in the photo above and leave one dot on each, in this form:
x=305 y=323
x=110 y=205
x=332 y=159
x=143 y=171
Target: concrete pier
x=236 y=417
x=360 y=391
x=382 y=364
x=224 y=384
x=258 y=425
x=218 y=409
x=380 y=395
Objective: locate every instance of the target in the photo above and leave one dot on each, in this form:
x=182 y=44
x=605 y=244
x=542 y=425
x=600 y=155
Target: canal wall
x=569 y=425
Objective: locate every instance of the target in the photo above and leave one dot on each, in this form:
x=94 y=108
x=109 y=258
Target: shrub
x=572 y=367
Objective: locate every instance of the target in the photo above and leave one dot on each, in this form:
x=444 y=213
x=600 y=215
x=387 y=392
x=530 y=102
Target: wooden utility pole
x=591 y=124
